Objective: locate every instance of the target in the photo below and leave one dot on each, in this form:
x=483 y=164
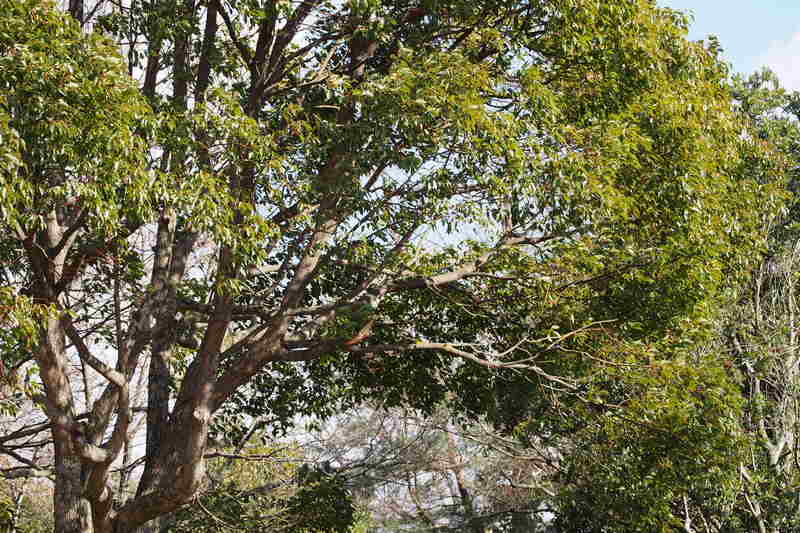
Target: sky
x=753 y=33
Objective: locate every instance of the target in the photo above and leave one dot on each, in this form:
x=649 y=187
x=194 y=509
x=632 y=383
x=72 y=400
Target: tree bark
x=72 y=512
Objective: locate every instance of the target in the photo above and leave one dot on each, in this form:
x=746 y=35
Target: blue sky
x=753 y=33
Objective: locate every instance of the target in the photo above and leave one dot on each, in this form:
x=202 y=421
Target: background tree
x=759 y=333
x=262 y=489
x=426 y=473
x=447 y=203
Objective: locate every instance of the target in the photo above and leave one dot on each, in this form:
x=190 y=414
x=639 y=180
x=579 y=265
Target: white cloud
x=783 y=57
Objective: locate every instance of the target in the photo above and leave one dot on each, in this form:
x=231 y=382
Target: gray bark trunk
x=71 y=511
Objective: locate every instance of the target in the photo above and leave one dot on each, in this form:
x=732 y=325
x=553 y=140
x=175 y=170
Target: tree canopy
x=528 y=211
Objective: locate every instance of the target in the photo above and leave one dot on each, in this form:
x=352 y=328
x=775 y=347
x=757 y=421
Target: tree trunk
x=71 y=511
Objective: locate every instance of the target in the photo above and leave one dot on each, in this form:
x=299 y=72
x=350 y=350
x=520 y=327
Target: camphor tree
x=283 y=208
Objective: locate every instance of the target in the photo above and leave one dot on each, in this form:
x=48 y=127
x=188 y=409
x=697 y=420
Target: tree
x=704 y=441
x=307 y=204
x=268 y=490
x=758 y=335
x=427 y=473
